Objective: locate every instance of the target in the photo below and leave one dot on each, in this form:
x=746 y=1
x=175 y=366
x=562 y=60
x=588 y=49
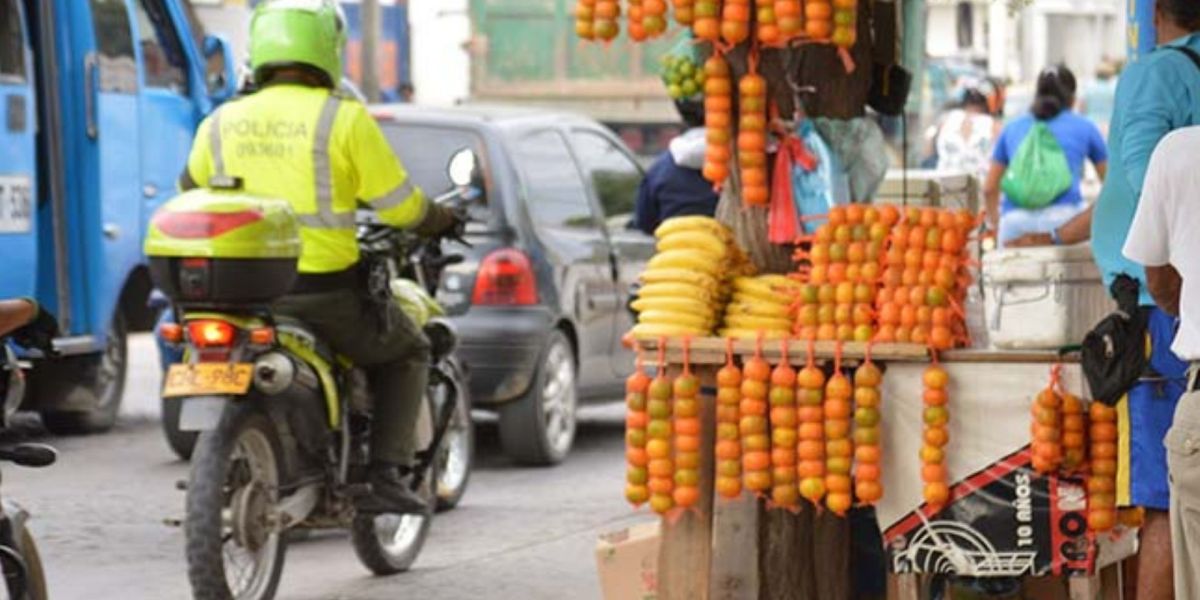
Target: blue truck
x=98 y=103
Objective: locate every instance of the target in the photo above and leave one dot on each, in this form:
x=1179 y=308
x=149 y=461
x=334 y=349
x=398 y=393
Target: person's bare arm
x=1102 y=170
x=1164 y=284
x=15 y=313
x=991 y=194
x=1078 y=229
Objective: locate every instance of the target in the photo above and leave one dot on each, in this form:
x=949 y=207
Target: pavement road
x=100 y=513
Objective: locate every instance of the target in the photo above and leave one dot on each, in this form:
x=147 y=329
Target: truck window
x=12 y=45
x=614 y=176
x=554 y=190
x=114 y=43
x=162 y=52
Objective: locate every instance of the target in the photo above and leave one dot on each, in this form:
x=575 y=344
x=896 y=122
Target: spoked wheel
x=539 y=428
x=234 y=550
x=457 y=452
x=388 y=544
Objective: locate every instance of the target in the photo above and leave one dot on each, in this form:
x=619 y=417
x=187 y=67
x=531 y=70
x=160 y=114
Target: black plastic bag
x=1114 y=351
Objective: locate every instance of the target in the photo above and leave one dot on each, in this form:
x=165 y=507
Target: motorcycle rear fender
x=202 y=413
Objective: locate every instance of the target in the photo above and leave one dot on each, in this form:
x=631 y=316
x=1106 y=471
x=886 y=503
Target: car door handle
x=89 y=94
x=603 y=302
x=150 y=190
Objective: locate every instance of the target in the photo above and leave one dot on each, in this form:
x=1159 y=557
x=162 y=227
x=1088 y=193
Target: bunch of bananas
x=686 y=284
x=763 y=304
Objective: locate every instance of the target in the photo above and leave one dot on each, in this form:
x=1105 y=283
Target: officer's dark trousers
x=396 y=361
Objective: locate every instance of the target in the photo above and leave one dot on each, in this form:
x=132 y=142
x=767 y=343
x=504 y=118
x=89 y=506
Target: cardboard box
x=627 y=561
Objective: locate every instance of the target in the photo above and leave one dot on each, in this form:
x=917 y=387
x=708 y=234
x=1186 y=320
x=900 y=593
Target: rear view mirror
x=220 y=69
x=463 y=167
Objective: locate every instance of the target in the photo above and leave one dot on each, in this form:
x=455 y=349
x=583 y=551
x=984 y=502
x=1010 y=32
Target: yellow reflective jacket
x=319 y=151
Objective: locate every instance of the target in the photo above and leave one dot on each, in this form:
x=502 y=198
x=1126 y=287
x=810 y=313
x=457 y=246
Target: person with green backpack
x=1038 y=162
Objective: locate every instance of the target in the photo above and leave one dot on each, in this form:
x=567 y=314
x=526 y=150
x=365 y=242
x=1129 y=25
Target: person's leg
x=1154 y=558
x=1183 y=457
x=1149 y=411
x=398 y=387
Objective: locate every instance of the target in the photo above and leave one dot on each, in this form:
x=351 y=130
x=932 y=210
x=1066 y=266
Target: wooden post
x=786 y=554
x=685 y=555
x=908 y=586
x=735 y=549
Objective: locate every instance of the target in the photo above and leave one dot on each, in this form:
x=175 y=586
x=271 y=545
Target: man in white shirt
x=1165 y=237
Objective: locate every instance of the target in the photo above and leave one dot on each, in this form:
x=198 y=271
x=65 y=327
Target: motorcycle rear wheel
x=236 y=470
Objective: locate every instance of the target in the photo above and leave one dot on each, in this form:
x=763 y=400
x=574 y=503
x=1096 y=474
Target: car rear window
x=426 y=150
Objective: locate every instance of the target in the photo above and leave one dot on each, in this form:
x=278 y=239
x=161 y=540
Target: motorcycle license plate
x=207 y=378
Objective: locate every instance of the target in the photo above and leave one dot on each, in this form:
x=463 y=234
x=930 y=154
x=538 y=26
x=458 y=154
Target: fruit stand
x=805 y=360
x=1002 y=519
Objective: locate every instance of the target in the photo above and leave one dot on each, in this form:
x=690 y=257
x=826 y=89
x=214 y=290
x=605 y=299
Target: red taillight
x=505 y=279
x=208 y=333
x=198 y=225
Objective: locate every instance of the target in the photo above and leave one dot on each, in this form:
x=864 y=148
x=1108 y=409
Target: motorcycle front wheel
x=233 y=551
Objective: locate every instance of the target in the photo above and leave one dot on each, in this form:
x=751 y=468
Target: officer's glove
x=439 y=221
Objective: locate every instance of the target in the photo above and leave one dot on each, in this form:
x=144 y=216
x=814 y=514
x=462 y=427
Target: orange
x=933 y=472
x=1104 y=467
x=758 y=442
x=661 y=502
x=783 y=417
x=868 y=492
x=785 y=495
x=783 y=436
x=866 y=435
x=935 y=378
x=867 y=472
x=889 y=215
x=1102 y=412
x=753 y=408
x=757 y=369
x=937 y=494
x=687 y=443
x=1103 y=432
x=757 y=481
x=837 y=408
x=662 y=467
x=637 y=494
x=932 y=455
x=687 y=477
x=756 y=461
x=686 y=496
x=838 y=387
x=728 y=449
x=839 y=448
x=929 y=216
x=638 y=457
x=729 y=487
x=866 y=397
x=935 y=397
x=784 y=455
x=936 y=437
x=729 y=467
x=1104 y=450
x=839 y=503
x=752 y=425
x=636 y=420
x=812 y=488
x=818 y=29
x=837 y=484
x=1101 y=520
x=838 y=465
x=885 y=335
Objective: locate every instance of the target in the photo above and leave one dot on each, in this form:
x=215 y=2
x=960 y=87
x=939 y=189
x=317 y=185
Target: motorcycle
x=283 y=422
x=20 y=563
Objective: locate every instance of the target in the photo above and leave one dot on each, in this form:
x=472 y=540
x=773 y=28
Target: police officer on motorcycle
x=296 y=138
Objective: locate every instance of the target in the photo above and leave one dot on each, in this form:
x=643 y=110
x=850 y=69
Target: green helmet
x=298 y=32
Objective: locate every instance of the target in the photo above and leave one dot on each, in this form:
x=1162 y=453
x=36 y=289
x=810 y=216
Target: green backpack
x=1039 y=172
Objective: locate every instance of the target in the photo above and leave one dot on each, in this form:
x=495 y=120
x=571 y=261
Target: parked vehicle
x=283 y=421
x=101 y=99
x=539 y=301
x=20 y=563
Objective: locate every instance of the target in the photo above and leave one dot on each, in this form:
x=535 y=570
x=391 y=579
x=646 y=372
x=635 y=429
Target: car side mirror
x=463 y=168
x=220 y=69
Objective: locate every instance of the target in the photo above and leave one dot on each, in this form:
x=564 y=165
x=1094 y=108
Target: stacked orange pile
x=843 y=274
x=924 y=277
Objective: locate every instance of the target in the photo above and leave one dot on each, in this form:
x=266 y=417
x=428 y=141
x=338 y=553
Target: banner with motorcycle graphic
x=1003 y=519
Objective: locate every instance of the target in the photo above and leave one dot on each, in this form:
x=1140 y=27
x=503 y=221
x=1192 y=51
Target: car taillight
x=208 y=333
x=199 y=225
x=170 y=333
x=505 y=279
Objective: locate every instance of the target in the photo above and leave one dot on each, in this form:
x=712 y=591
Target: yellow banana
x=674 y=289
x=698 y=241
x=695 y=278
x=653 y=330
x=761 y=290
x=693 y=223
x=685 y=259
x=749 y=334
x=685 y=305
x=780 y=281
x=759 y=309
x=674 y=317
x=755 y=323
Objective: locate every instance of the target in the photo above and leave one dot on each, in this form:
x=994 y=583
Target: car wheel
x=539 y=428
x=96 y=380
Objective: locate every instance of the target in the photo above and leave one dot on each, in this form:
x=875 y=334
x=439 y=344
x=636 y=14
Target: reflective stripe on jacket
x=319 y=151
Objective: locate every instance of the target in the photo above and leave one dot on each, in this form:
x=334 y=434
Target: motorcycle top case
x=210 y=247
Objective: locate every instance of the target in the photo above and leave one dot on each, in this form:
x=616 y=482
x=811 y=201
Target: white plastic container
x=1042 y=298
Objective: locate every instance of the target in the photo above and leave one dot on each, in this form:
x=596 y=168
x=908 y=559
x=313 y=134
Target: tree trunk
x=838 y=94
